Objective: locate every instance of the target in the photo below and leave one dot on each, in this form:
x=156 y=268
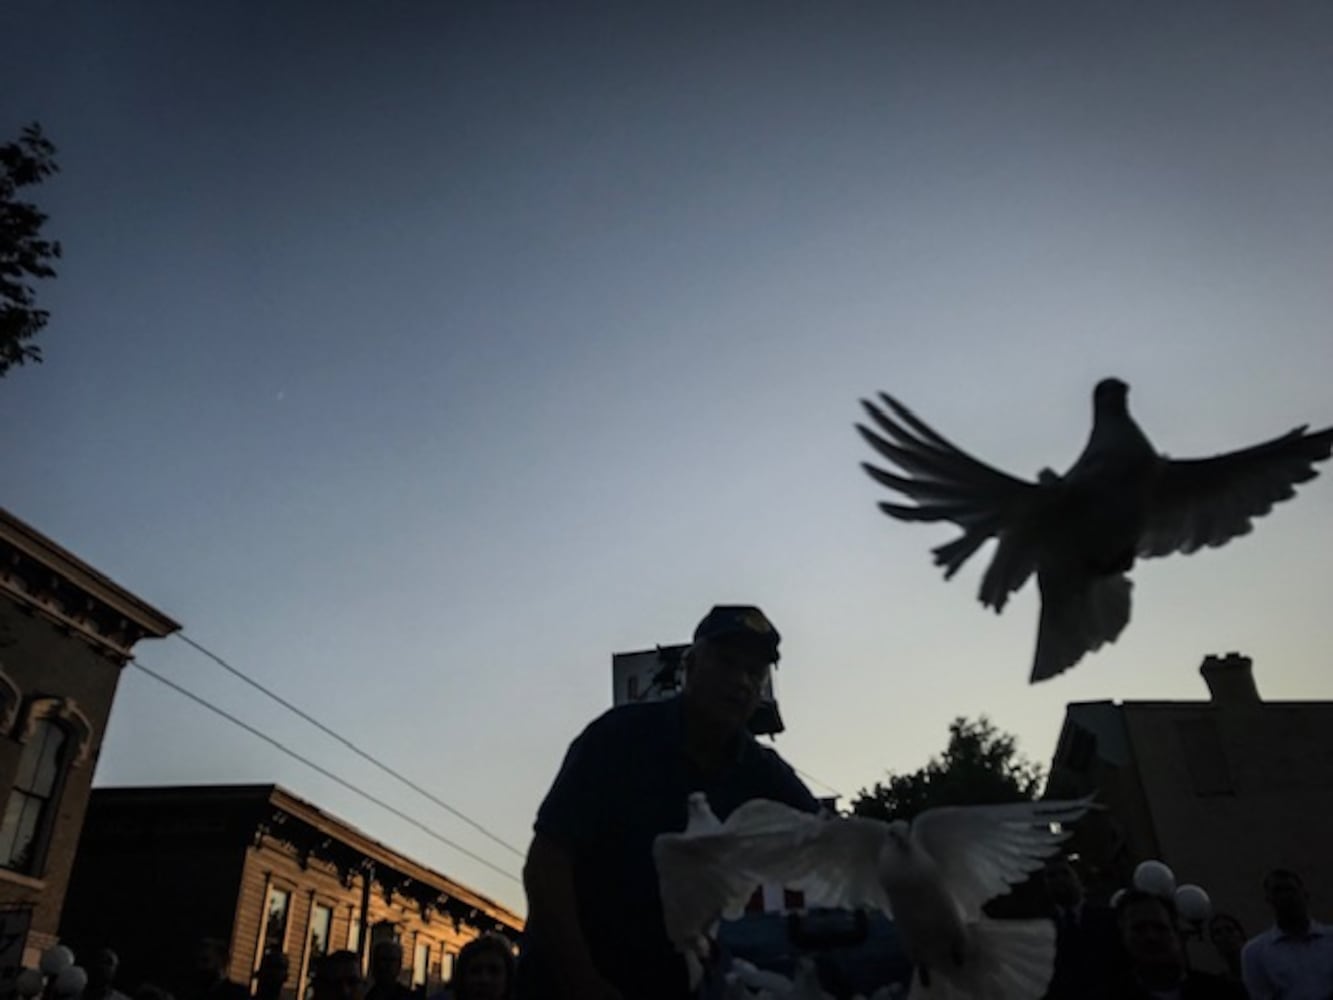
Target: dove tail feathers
x=1007 y=960
x=1073 y=624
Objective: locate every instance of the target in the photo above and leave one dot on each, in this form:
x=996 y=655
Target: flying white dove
x=1082 y=531
x=932 y=878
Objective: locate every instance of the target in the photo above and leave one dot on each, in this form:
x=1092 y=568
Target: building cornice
x=50 y=581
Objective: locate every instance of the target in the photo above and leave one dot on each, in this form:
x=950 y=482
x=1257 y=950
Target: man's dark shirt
x=625 y=780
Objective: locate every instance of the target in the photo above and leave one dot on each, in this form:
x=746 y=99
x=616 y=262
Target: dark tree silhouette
x=980 y=766
x=24 y=254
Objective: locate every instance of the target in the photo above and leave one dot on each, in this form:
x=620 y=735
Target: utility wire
x=810 y=777
x=363 y=754
x=198 y=700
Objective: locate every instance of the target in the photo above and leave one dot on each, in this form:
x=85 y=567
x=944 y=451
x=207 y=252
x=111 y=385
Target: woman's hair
x=1226 y=918
x=491 y=943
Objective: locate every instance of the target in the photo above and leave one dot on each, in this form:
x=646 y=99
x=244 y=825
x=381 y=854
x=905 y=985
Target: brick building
x=161 y=868
x=66 y=632
x=1221 y=790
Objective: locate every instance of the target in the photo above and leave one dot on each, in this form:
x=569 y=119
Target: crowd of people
x=1137 y=949
x=483 y=970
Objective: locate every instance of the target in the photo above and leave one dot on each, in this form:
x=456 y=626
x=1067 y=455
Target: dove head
x=699 y=814
x=1111 y=395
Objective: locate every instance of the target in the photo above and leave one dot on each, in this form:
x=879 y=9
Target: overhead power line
x=320 y=769
x=363 y=754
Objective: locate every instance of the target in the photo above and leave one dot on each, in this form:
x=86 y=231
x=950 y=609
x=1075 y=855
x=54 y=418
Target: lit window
x=28 y=812
x=321 y=917
x=420 y=964
x=275 y=923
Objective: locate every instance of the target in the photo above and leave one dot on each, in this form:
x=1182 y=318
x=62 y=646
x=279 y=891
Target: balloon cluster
x=55 y=976
x=1154 y=877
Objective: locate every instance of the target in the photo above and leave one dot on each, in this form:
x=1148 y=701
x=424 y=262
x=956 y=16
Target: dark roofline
x=318 y=818
x=65 y=564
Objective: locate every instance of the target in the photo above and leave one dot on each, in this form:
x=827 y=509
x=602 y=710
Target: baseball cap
x=739 y=621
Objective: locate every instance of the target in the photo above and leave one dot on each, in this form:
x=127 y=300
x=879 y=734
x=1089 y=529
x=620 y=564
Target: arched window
x=27 y=816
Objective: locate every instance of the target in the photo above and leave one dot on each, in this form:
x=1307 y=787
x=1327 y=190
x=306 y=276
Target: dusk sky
x=417 y=357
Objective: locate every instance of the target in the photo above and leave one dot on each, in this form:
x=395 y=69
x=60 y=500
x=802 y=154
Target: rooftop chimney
x=1230 y=679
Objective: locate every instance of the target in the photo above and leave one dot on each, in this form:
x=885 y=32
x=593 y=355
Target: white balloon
x=56 y=960
x=1156 y=878
x=29 y=983
x=1116 y=897
x=71 y=982
x=1193 y=903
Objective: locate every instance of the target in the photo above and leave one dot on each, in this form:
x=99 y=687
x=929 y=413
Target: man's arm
x=548 y=877
x=1257 y=983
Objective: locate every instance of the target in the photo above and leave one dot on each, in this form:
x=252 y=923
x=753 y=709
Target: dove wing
x=981 y=851
x=948 y=484
x=1204 y=502
x=706 y=875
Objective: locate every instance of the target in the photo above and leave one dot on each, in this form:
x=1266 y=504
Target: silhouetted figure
x=1293 y=960
x=1228 y=938
x=386 y=968
x=595 y=926
x=102 y=971
x=337 y=976
x=210 y=974
x=1150 y=931
x=1088 y=950
x=272 y=976
x=484 y=970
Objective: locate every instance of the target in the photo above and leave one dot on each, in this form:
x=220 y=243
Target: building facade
x=259 y=868
x=66 y=632
x=1222 y=790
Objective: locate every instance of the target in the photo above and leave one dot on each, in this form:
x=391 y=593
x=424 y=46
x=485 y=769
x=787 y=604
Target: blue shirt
x=1281 y=966
x=625 y=780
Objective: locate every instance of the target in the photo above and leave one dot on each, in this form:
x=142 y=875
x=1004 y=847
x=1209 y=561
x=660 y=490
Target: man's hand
x=548 y=875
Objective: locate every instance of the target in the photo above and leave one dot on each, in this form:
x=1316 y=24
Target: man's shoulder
x=770 y=759
x=634 y=719
x=1260 y=941
x=779 y=779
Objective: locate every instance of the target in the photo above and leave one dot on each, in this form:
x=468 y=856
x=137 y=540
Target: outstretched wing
x=706 y=875
x=983 y=850
x=1206 y=502
x=947 y=484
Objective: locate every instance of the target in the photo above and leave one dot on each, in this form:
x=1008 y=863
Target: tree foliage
x=980 y=766
x=24 y=254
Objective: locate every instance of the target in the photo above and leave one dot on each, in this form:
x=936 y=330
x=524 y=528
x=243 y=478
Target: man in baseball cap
x=595 y=929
